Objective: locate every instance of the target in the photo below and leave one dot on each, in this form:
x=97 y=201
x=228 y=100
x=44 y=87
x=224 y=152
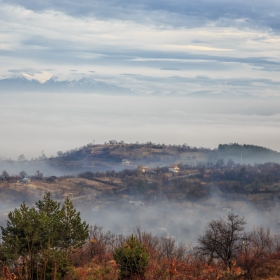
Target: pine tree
x=43 y=235
x=132 y=259
x=72 y=230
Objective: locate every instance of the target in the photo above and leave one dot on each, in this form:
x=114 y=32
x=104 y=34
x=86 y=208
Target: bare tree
x=21 y=157
x=100 y=242
x=39 y=175
x=222 y=239
x=255 y=251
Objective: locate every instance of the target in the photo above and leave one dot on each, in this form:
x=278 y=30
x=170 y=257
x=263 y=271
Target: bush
x=132 y=259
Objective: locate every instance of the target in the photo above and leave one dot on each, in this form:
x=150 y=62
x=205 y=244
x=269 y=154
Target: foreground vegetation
x=50 y=241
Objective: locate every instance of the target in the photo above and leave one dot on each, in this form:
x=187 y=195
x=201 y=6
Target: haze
x=31 y=123
x=222 y=55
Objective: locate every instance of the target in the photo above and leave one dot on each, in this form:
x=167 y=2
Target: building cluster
x=172 y=168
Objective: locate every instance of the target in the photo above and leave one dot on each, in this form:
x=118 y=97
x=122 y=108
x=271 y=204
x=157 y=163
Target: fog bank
x=31 y=123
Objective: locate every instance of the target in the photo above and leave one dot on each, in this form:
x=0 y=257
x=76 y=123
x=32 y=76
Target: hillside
x=109 y=157
x=247 y=153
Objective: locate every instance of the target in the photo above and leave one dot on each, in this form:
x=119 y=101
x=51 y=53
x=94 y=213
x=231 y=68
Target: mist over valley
x=168 y=190
x=139 y=140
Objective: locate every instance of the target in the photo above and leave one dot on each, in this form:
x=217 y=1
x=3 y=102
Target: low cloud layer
x=31 y=123
x=157 y=50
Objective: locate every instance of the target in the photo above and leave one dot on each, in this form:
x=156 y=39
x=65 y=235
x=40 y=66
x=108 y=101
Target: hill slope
x=109 y=157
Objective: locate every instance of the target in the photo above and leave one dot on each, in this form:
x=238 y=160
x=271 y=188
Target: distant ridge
x=104 y=157
x=221 y=95
x=24 y=83
x=247 y=153
x=85 y=85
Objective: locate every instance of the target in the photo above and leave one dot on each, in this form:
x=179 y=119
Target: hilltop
x=247 y=153
x=110 y=156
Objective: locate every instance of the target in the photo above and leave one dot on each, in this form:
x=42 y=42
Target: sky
x=162 y=51
x=175 y=46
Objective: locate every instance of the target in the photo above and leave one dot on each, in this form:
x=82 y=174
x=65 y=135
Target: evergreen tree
x=43 y=235
x=132 y=259
x=21 y=238
x=73 y=231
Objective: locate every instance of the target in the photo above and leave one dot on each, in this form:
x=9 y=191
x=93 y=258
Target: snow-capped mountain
x=84 y=85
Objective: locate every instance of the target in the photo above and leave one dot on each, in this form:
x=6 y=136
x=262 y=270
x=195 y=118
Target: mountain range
x=19 y=83
x=84 y=85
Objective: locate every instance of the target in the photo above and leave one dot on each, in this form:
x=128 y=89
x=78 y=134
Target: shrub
x=132 y=259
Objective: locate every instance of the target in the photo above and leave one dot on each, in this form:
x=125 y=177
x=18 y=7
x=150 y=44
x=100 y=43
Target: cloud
x=165 y=48
x=116 y=37
x=175 y=13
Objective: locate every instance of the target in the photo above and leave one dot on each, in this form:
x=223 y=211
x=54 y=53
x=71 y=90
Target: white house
x=174 y=168
x=137 y=203
x=125 y=162
x=25 y=180
x=143 y=168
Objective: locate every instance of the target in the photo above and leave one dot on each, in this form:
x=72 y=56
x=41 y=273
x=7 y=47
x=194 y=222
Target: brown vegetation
x=170 y=261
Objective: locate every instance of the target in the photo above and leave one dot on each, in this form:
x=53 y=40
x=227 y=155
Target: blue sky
x=167 y=47
x=173 y=48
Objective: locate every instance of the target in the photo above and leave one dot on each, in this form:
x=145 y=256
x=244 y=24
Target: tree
x=230 y=163
x=141 y=186
x=5 y=175
x=100 y=242
x=50 y=214
x=222 y=239
x=255 y=251
x=132 y=259
x=39 y=174
x=220 y=163
x=21 y=157
x=22 y=174
x=43 y=235
x=242 y=174
x=21 y=238
x=59 y=153
x=74 y=232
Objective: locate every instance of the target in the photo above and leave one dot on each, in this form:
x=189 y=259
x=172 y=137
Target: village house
x=137 y=203
x=143 y=168
x=125 y=162
x=174 y=168
x=25 y=180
